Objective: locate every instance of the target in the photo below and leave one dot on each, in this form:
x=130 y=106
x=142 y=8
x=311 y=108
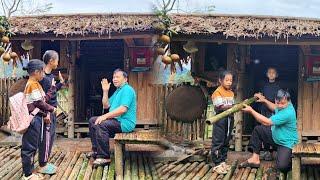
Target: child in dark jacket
x=33 y=138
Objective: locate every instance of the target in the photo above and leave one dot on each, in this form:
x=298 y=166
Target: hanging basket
x=186 y=103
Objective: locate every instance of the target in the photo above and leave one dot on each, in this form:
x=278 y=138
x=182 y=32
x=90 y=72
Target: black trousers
x=100 y=134
x=39 y=136
x=263 y=134
x=221 y=135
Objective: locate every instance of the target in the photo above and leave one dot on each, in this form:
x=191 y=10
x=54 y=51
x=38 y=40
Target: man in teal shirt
x=120 y=118
x=280 y=131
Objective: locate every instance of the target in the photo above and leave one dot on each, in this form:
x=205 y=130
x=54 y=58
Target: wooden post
x=71 y=83
x=296 y=168
x=239 y=115
x=118 y=156
x=35 y=53
x=300 y=93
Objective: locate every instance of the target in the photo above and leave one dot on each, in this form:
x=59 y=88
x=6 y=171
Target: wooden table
x=303 y=150
x=137 y=137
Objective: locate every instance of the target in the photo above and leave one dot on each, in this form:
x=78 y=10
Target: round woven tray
x=186 y=103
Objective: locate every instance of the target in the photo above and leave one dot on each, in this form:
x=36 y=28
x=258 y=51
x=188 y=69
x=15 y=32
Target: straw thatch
x=101 y=24
x=247 y=26
x=227 y=25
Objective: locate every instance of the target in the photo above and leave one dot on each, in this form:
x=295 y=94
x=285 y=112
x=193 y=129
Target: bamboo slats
x=306 y=149
x=187 y=131
x=74 y=165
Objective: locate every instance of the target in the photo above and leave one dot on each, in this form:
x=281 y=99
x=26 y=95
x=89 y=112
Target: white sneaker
x=33 y=177
x=221 y=168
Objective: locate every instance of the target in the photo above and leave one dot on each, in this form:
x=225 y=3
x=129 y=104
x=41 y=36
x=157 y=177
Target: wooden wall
x=311 y=109
x=309 y=101
x=146 y=97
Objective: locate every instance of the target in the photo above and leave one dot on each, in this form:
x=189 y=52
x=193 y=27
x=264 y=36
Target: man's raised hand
x=105 y=84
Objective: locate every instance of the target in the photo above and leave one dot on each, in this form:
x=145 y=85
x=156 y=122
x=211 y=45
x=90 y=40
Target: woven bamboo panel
x=306 y=148
x=141 y=136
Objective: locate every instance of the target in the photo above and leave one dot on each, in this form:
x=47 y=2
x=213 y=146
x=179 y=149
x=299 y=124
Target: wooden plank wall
x=309 y=97
x=5 y=84
x=311 y=109
x=146 y=97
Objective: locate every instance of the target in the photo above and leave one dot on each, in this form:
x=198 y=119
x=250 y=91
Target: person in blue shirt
x=121 y=117
x=280 y=131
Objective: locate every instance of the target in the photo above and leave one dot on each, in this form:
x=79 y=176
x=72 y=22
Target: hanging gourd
x=163 y=46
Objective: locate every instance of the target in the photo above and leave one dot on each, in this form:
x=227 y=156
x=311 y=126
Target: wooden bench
x=303 y=150
x=136 y=137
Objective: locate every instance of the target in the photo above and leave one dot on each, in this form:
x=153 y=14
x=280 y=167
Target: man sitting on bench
x=121 y=117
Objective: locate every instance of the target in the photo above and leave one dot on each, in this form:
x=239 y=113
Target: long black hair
x=34 y=65
x=223 y=74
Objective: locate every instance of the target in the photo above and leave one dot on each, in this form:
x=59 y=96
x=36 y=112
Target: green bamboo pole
x=207 y=175
x=289 y=174
x=259 y=173
x=13 y=172
x=10 y=167
x=147 y=168
x=177 y=174
x=195 y=171
x=252 y=174
x=63 y=166
x=99 y=173
x=134 y=166
x=184 y=174
x=88 y=171
x=172 y=172
x=76 y=168
x=153 y=169
x=214 y=175
x=246 y=173
x=105 y=172
x=230 y=111
x=93 y=174
x=83 y=169
x=228 y=176
x=141 y=167
x=70 y=166
x=127 y=168
x=111 y=171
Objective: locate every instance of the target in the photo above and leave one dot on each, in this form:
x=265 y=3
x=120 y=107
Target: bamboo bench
x=302 y=150
x=136 y=137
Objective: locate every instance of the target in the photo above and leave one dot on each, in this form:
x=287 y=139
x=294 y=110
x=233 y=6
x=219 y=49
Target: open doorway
x=98 y=59
x=284 y=59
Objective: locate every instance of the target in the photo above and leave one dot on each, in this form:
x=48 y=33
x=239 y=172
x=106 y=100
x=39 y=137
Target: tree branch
x=174 y=1
x=167 y=5
x=16 y=8
x=3 y=7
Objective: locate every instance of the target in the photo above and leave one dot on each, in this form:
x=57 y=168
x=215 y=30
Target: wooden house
x=248 y=45
x=93 y=45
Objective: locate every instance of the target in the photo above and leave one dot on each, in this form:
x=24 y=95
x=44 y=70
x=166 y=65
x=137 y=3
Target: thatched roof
x=247 y=26
x=228 y=25
x=101 y=24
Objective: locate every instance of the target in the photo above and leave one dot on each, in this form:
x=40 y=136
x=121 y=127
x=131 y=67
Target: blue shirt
x=284 y=126
x=125 y=96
